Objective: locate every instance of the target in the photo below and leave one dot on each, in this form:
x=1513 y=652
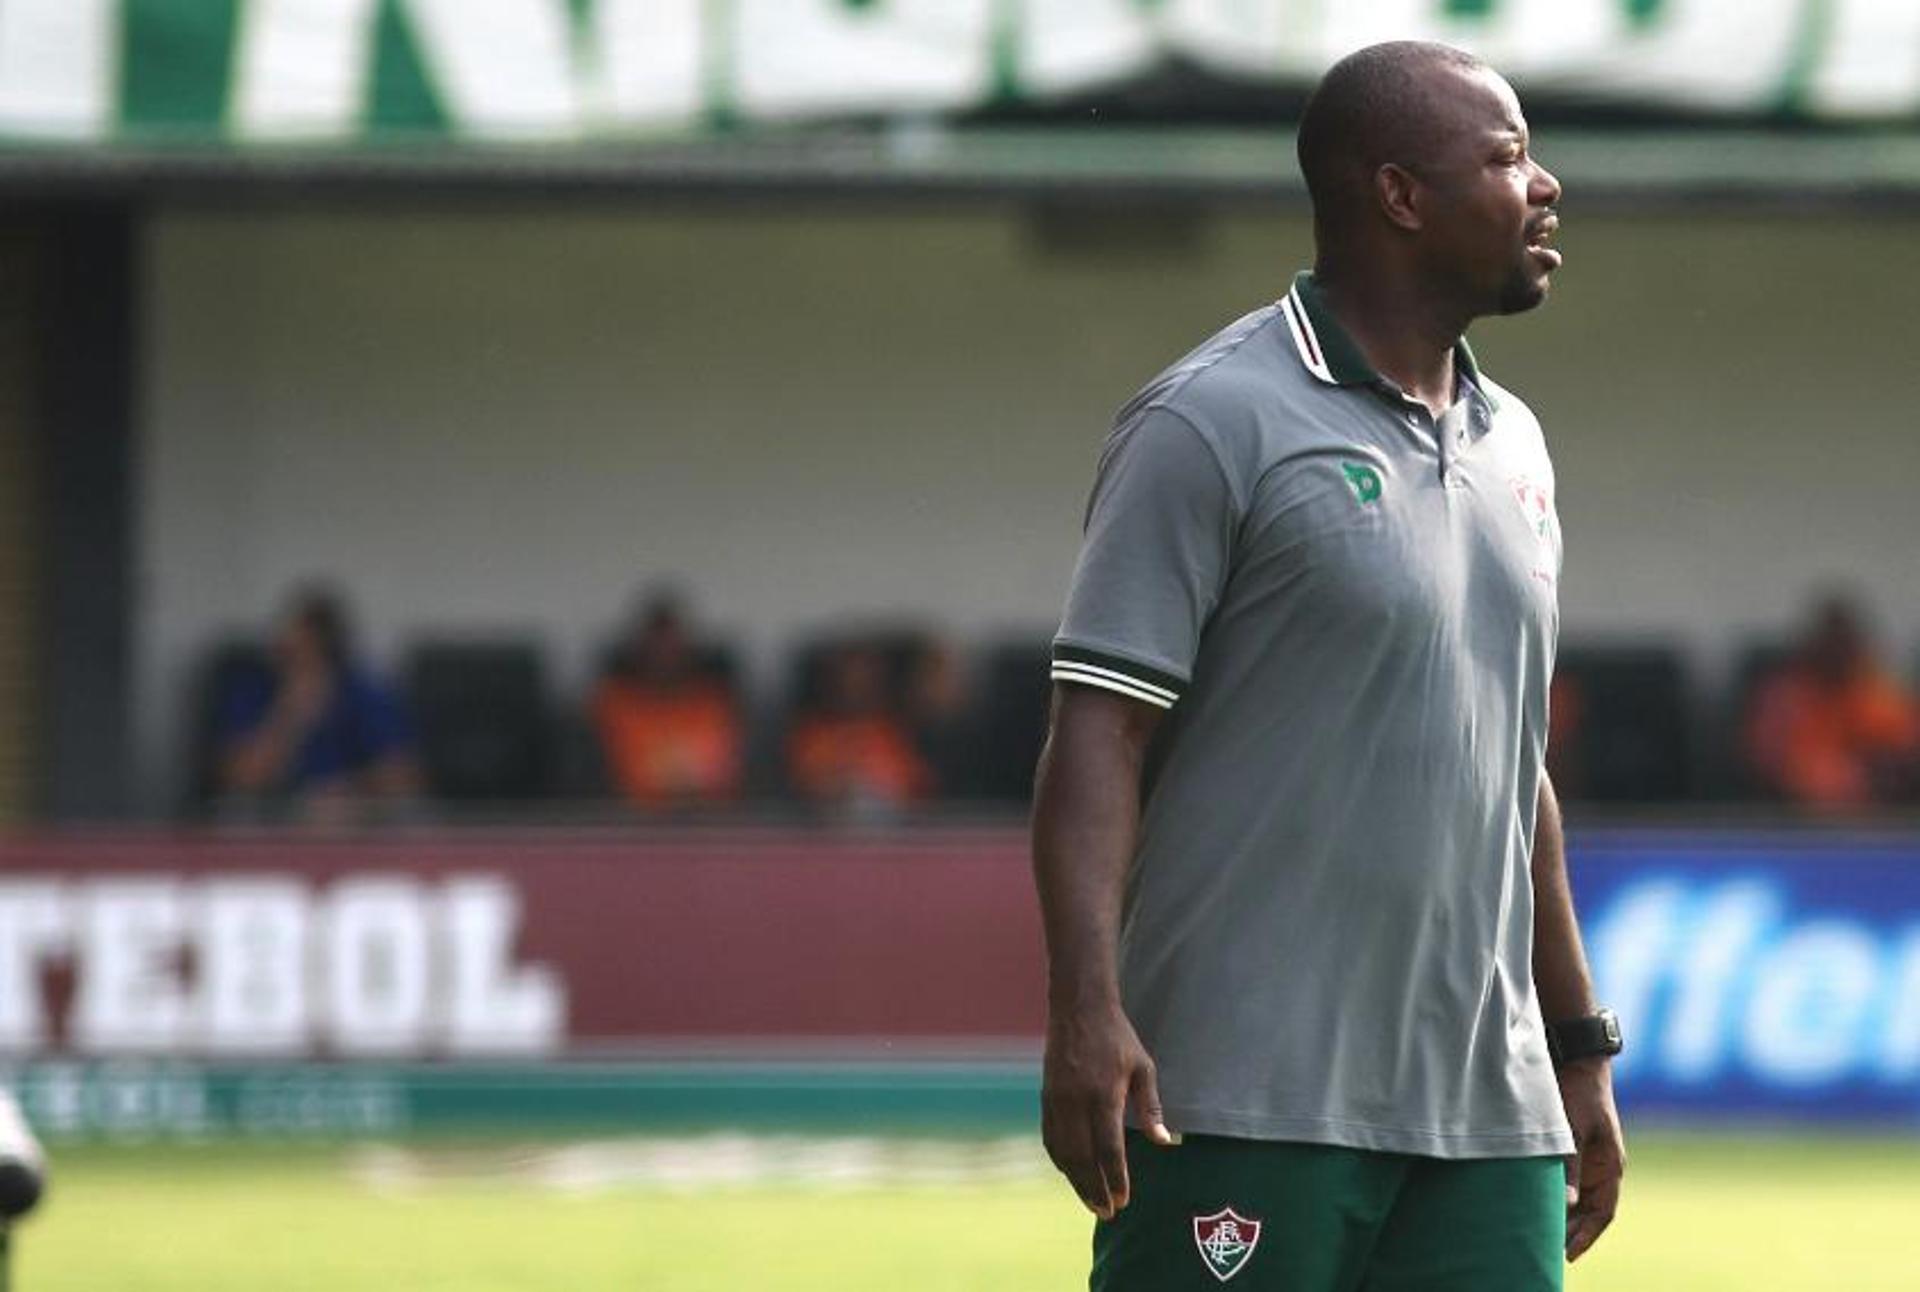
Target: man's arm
x=1086 y=814
x=256 y=760
x=1566 y=992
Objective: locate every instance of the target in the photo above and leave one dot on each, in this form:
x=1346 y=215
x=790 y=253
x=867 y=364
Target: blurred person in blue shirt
x=314 y=727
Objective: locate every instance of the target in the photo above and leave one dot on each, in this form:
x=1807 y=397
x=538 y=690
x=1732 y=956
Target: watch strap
x=1595 y=1036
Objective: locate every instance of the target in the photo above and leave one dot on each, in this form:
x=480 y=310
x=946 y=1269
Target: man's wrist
x=1595 y=1035
x=1073 y=996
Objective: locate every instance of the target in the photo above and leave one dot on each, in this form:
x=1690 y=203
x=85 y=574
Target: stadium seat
x=1013 y=694
x=1632 y=737
x=483 y=716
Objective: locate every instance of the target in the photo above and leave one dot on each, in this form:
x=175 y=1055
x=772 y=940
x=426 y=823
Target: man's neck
x=1406 y=337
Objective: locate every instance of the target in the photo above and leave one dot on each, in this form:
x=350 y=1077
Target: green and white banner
x=353 y=72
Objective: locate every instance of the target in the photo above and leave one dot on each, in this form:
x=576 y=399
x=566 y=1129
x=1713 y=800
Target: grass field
x=1702 y=1214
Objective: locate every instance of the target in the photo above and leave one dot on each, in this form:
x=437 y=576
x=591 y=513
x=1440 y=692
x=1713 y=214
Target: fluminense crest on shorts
x=1226 y=1240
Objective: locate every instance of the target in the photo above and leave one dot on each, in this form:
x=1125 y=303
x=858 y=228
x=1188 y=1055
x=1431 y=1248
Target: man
x=1831 y=729
x=315 y=727
x=669 y=722
x=1302 y=932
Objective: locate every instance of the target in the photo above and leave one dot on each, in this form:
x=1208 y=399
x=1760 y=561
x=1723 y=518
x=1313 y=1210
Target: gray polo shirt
x=1350 y=609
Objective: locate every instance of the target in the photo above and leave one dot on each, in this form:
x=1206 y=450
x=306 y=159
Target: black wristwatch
x=1595 y=1036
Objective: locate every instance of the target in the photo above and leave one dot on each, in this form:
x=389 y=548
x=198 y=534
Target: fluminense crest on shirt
x=1537 y=504
x=1226 y=1240
x=1534 y=501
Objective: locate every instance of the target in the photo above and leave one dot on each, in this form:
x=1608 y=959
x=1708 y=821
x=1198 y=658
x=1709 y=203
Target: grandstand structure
x=495 y=312
x=679 y=249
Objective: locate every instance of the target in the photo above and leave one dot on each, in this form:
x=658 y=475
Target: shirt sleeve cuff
x=1116 y=673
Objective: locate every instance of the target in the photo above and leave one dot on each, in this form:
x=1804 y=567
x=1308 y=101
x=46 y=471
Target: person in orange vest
x=1832 y=729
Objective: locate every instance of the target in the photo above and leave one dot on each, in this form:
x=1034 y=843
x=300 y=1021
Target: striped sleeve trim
x=1112 y=673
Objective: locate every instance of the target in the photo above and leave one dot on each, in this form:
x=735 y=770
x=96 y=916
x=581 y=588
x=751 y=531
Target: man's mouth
x=1539 y=238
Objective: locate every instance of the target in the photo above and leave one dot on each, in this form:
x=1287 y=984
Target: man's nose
x=1545 y=189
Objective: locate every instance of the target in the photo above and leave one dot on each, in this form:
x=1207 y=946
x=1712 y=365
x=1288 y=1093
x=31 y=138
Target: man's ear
x=1399 y=194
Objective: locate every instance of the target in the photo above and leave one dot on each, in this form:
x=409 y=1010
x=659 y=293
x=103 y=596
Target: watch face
x=1610 y=1028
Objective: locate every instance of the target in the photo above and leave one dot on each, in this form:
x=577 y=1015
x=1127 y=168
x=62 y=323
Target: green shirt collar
x=1330 y=354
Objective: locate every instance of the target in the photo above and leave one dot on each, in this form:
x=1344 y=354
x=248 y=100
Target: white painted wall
x=510 y=420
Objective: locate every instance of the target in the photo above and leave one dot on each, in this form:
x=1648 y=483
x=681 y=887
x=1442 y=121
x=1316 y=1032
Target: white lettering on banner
x=505 y=70
x=1637 y=941
x=1900 y=1046
x=33 y=924
x=1259 y=37
x=1066 y=44
x=1706 y=988
x=520 y=70
x=253 y=966
x=259 y=965
x=376 y=995
x=129 y=994
x=302 y=68
x=1708 y=53
x=1813 y=994
x=794 y=57
x=1870 y=62
x=57 y=61
x=647 y=60
x=493 y=1007
x=1545 y=38
x=1713 y=979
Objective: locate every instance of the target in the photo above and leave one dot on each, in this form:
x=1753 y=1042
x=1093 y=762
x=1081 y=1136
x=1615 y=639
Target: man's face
x=298 y=648
x=662 y=650
x=1489 y=211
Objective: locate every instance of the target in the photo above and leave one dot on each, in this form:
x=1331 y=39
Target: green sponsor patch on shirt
x=1364 y=479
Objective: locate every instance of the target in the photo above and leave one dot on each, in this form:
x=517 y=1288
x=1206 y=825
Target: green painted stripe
x=1810 y=40
x=719 y=95
x=109 y=1100
x=1005 y=39
x=1645 y=13
x=176 y=65
x=403 y=98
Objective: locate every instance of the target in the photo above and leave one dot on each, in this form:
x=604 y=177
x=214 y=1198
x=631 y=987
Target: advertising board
x=262 y=984
x=1759 y=975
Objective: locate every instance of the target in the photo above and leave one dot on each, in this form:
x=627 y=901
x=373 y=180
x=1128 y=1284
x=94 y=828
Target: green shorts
x=1284 y=1217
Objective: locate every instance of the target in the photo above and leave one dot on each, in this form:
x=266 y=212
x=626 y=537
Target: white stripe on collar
x=1305 y=340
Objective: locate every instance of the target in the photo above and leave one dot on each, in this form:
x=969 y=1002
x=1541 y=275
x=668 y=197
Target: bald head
x=1383 y=104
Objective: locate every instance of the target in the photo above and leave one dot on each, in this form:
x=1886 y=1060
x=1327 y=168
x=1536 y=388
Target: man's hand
x=1593 y=1176
x=1096 y=1068
x=305 y=692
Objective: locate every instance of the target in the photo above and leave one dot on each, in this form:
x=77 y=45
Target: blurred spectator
x=852 y=751
x=314 y=726
x=668 y=722
x=1830 y=728
x=940 y=717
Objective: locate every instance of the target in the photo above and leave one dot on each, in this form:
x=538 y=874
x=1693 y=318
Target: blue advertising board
x=1767 y=975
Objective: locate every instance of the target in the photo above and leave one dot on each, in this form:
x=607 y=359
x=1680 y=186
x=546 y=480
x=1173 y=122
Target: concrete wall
x=508 y=420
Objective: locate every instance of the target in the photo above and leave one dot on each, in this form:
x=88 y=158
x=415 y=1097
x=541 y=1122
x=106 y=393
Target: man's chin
x=1523 y=294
